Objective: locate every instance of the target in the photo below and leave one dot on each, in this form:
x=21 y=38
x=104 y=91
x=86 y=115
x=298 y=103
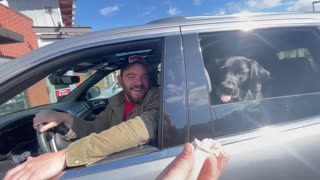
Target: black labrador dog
x=236 y=79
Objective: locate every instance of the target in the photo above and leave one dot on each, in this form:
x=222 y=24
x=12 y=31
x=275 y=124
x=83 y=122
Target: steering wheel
x=53 y=139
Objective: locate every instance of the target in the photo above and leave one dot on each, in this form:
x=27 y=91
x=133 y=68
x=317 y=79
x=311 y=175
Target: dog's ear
x=258 y=76
x=258 y=72
x=213 y=65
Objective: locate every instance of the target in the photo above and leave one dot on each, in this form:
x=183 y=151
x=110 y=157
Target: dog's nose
x=227 y=90
x=228 y=87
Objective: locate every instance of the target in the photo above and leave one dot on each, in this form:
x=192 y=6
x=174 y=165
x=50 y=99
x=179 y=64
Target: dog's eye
x=242 y=76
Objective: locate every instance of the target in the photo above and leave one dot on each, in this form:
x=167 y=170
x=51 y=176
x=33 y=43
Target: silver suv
x=250 y=81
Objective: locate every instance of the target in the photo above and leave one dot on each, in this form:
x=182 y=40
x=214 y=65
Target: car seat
x=294 y=76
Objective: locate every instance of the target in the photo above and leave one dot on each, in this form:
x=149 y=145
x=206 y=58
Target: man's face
x=135 y=82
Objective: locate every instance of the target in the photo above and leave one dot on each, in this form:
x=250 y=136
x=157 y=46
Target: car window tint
x=261 y=77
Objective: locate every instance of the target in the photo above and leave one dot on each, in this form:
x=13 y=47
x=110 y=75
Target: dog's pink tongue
x=225 y=98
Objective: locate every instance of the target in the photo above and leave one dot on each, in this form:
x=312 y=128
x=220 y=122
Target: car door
x=271 y=137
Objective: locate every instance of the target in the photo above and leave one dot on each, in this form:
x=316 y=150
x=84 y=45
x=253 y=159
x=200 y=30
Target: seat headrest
x=295 y=65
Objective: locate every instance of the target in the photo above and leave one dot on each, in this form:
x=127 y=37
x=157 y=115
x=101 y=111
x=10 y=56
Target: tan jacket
x=108 y=134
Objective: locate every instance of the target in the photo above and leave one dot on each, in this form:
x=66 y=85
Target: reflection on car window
x=261 y=71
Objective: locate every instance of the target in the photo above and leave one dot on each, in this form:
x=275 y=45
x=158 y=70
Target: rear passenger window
x=261 y=77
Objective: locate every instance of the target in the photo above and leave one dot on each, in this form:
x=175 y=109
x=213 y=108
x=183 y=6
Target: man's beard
x=133 y=99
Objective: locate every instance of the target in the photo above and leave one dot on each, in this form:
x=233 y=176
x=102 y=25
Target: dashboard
x=15 y=135
x=18 y=138
x=17 y=142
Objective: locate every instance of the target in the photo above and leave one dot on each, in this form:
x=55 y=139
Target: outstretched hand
x=46 y=166
x=181 y=166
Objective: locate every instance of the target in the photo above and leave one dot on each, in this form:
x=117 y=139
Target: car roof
x=236 y=17
x=167 y=25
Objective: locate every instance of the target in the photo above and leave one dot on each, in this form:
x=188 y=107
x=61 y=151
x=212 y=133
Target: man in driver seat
x=128 y=121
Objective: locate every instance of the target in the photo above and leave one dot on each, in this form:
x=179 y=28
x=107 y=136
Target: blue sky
x=108 y=14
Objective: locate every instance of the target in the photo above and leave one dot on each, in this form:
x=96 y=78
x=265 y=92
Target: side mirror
x=116 y=87
x=63 y=80
x=93 y=92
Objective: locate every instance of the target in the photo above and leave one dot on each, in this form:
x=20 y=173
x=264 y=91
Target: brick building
x=22 y=41
x=27 y=25
x=20 y=26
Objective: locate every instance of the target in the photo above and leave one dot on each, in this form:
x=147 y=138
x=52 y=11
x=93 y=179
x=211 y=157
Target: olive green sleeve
x=96 y=146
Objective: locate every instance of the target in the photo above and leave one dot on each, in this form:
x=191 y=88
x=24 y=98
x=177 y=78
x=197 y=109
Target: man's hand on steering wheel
x=51 y=126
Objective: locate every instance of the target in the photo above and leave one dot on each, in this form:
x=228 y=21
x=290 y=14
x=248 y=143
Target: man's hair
x=134 y=59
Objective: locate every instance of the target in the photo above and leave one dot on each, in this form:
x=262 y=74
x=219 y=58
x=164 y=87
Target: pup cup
x=203 y=149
